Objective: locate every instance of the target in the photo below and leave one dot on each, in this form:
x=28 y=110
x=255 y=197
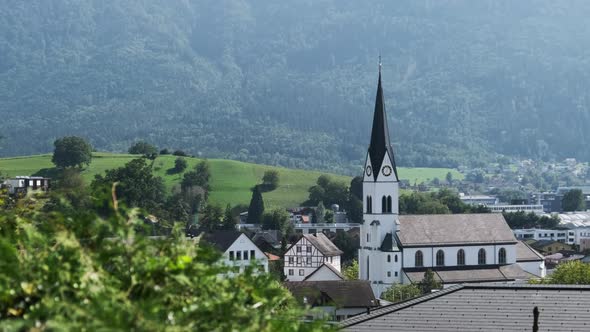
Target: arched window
x=389 y=207
x=461 y=257
x=502 y=256
x=419 y=262
x=481 y=257
x=395 y=258
x=383 y=205
x=440 y=258
x=388 y=258
x=369 y=205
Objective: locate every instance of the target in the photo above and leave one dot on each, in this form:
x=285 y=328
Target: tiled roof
x=221 y=240
x=493 y=307
x=388 y=243
x=323 y=244
x=450 y=229
x=340 y=293
x=524 y=253
x=467 y=274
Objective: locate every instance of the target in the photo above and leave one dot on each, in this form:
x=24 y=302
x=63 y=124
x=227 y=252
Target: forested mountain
x=293 y=82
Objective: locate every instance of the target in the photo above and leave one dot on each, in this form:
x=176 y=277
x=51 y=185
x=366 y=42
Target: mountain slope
x=293 y=83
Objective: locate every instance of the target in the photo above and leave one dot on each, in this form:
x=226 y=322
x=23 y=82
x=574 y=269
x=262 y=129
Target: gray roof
x=323 y=244
x=221 y=240
x=340 y=293
x=524 y=253
x=467 y=274
x=493 y=307
x=453 y=229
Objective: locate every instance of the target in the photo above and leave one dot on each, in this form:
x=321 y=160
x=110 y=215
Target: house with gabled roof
x=308 y=254
x=238 y=250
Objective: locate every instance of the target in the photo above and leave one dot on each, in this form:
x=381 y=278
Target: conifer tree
x=256 y=208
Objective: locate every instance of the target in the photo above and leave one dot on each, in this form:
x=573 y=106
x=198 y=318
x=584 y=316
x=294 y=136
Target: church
x=394 y=248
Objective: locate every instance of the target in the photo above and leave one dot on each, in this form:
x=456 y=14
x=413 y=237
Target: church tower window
x=383 y=205
x=389 y=204
x=369 y=205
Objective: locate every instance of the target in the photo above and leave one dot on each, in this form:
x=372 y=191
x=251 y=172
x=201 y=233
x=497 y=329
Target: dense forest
x=292 y=83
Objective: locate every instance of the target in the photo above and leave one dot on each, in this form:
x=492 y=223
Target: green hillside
x=230 y=180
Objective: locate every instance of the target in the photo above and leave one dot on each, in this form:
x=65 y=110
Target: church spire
x=380 y=143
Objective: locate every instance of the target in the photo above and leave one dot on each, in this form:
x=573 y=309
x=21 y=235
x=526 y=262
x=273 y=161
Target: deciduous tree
x=71 y=151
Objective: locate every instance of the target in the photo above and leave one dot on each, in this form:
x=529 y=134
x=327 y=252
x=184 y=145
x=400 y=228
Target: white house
x=399 y=249
x=238 y=250
x=308 y=254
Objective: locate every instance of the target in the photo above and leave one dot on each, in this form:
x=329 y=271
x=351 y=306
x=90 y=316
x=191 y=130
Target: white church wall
x=450 y=255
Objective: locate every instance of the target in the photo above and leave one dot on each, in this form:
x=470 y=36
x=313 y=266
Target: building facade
x=308 y=254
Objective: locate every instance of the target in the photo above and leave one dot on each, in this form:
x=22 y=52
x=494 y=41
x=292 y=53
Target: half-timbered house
x=308 y=254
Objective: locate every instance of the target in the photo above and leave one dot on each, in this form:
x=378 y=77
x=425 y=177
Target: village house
x=238 y=250
x=308 y=254
x=22 y=184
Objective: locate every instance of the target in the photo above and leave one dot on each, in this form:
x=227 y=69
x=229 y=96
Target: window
x=481 y=257
x=396 y=273
x=308 y=261
x=308 y=249
x=252 y=254
x=245 y=255
x=395 y=258
x=383 y=204
x=369 y=205
x=231 y=255
x=389 y=205
x=238 y=255
x=440 y=258
x=419 y=262
x=301 y=272
x=502 y=256
x=291 y=272
x=291 y=260
x=461 y=257
x=298 y=260
x=331 y=259
x=388 y=258
x=298 y=248
x=368 y=238
x=388 y=273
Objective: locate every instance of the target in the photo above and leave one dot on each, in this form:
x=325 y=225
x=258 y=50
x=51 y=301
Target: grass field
x=231 y=181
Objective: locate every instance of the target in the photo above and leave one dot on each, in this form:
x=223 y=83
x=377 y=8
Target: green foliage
x=270 y=180
x=443 y=201
x=429 y=283
x=570 y=273
x=78 y=272
x=320 y=213
x=143 y=148
x=399 y=292
x=256 y=207
x=329 y=217
x=348 y=244
x=229 y=220
x=351 y=271
x=71 y=151
x=212 y=218
x=521 y=219
x=573 y=200
x=328 y=191
x=279 y=220
x=137 y=185
x=180 y=165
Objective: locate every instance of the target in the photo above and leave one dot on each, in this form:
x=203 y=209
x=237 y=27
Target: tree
x=198 y=177
x=329 y=216
x=229 y=221
x=351 y=272
x=429 y=283
x=270 y=180
x=71 y=151
x=78 y=271
x=348 y=244
x=137 y=185
x=179 y=153
x=449 y=178
x=278 y=220
x=573 y=200
x=180 y=165
x=211 y=218
x=356 y=187
x=320 y=213
x=400 y=292
x=256 y=208
x=571 y=273
x=143 y=148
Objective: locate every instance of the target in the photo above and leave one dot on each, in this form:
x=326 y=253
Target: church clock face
x=386 y=170
x=369 y=171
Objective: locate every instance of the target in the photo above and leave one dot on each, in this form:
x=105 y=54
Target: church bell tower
x=379 y=256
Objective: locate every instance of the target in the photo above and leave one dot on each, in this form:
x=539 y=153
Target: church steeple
x=380 y=144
